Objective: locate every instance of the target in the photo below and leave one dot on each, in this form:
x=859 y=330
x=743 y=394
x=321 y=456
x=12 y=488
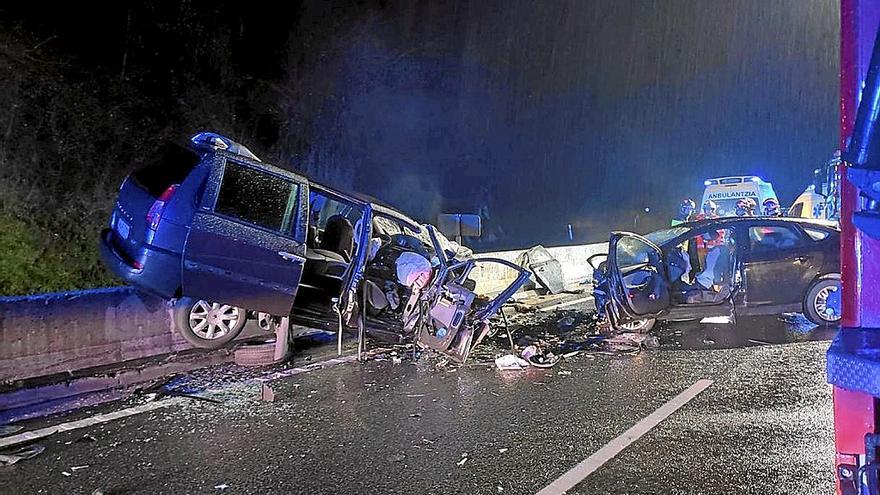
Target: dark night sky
x=551 y=113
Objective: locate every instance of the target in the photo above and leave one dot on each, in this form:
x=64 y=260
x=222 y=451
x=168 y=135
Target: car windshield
x=632 y=251
x=661 y=236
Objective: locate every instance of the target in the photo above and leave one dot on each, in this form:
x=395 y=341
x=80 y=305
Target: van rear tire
x=207 y=325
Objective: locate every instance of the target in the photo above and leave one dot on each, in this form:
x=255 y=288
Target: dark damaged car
x=224 y=236
x=739 y=266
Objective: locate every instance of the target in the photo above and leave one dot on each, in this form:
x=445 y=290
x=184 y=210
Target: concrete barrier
x=64 y=332
x=493 y=276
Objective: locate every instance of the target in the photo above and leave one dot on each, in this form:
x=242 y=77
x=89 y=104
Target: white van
x=809 y=205
x=726 y=191
x=821 y=199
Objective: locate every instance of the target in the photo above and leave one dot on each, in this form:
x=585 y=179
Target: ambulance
x=726 y=191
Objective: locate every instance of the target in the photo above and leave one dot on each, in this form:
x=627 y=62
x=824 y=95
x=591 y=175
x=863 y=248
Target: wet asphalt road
x=765 y=426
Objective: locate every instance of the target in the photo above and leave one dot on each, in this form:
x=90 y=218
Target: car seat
x=326 y=264
x=338 y=237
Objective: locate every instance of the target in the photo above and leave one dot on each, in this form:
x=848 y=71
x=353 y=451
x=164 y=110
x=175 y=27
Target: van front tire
x=207 y=325
x=637 y=326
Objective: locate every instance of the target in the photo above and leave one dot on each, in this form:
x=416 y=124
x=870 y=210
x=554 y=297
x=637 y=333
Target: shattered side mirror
x=458 y=225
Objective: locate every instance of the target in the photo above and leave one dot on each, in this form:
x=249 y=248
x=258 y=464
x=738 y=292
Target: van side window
x=257 y=197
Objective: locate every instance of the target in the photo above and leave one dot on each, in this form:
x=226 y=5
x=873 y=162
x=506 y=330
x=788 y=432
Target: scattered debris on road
x=20 y=454
x=6 y=430
x=509 y=362
x=266 y=393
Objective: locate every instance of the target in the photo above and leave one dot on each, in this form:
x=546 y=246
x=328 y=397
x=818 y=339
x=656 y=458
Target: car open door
x=246 y=245
x=455 y=318
x=637 y=278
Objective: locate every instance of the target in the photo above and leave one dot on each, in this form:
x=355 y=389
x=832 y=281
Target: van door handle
x=290 y=256
x=801 y=259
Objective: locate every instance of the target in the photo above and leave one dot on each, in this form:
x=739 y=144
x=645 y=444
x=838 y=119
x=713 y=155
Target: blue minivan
x=223 y=237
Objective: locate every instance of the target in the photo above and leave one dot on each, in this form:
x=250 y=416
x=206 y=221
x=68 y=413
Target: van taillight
x=155 y=213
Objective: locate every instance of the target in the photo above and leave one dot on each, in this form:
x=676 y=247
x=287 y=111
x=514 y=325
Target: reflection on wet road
x=763 y=426
x=746 y=332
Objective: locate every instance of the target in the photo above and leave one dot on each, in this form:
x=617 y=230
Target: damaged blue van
x=225 y=237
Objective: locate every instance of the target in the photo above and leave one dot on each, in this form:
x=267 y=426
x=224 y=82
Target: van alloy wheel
x=637 y=326
x=212 y=321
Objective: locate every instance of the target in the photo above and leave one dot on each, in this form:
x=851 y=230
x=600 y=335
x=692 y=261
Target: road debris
x=509 y=362
x=6 y=430
x=632 y=342
x=27 y=452
x=266 y=393
x=541 y=360
x=221 y=486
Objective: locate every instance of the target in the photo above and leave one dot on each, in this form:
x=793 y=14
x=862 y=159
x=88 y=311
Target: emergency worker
x=703 y=241
x=685 y=210
x=742 y=208
x=771 y=208
x=709 y=210
x=753 y=207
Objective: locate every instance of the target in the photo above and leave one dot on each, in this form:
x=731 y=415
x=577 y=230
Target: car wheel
x=638 y=326
x=822 y=304
x=207 y=325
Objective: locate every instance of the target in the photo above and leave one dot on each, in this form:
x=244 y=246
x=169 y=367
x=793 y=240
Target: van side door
x=246 y=245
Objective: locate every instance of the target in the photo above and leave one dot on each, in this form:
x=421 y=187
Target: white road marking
x=565 y=304
x=586 y=467
x=82 y=423
x=716 y=320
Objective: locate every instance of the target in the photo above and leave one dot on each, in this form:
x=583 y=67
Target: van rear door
x=246 y=245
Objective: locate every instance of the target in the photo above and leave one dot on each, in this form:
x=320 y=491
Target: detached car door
x=637 y=278
x=246 y=245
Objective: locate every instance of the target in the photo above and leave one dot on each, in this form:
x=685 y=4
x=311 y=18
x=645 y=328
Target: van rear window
x=170 y=164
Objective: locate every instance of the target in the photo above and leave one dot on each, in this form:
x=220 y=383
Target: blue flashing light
x=755 y=179
x=212 y=140
x=707 y=182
